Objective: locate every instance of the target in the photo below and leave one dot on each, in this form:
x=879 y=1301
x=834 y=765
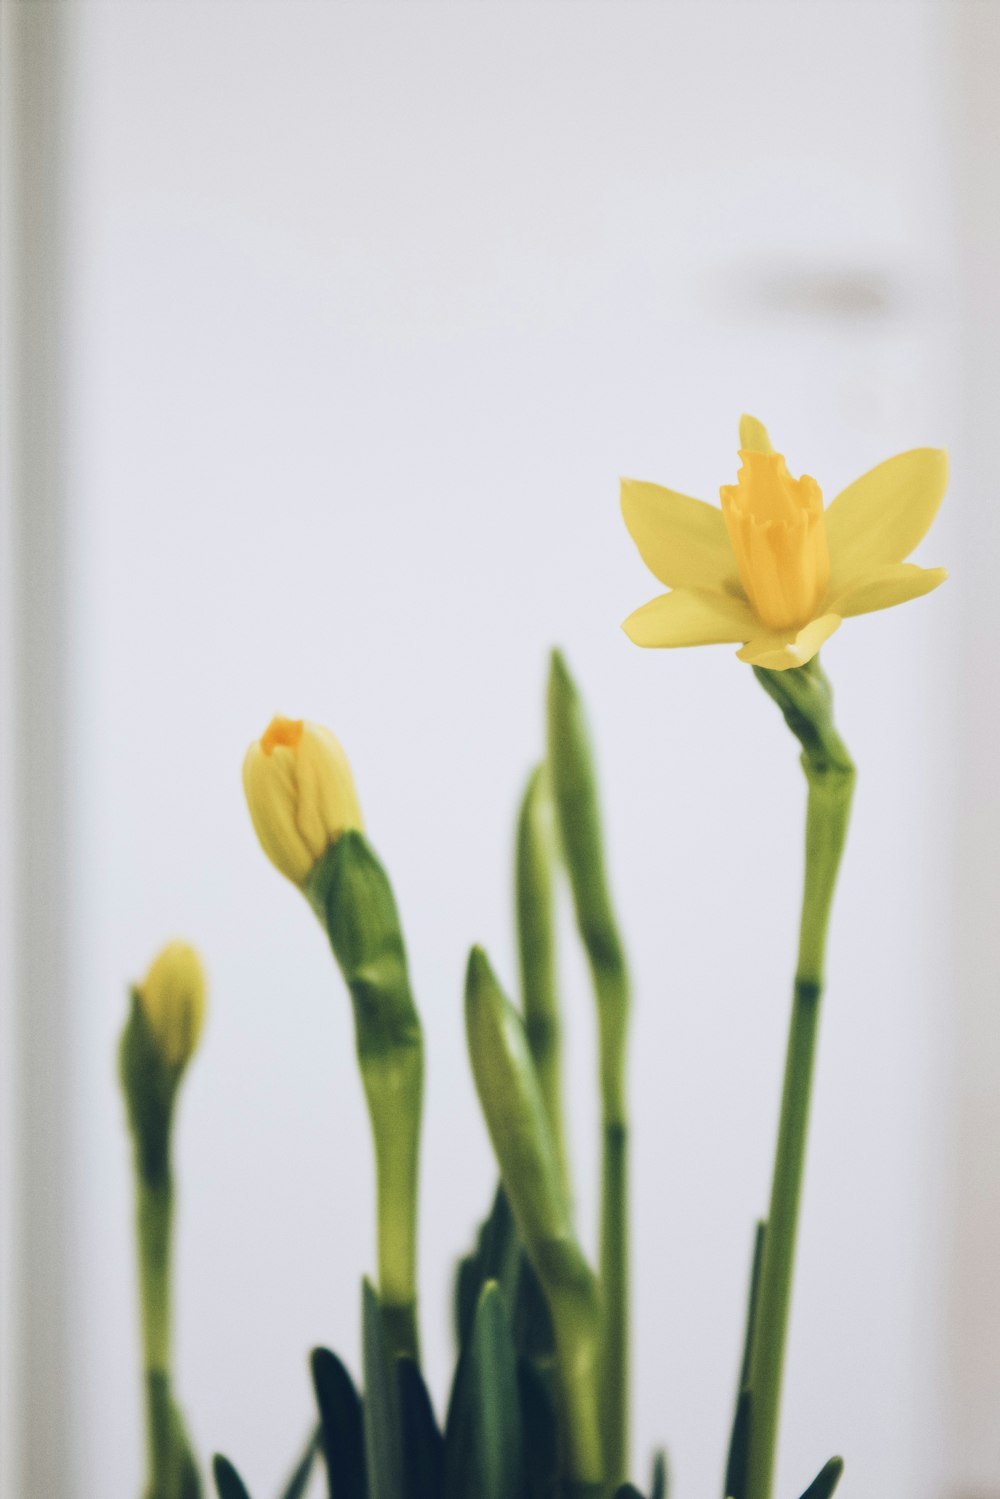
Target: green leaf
x=190 y=1477
x=499 y=1256
x=739 y=1449
x=383 y=1445
x=228 y=1482
x=423 y=1444
x=341 y=1426
x=495 y=1257
x=533 y=1333
x=541 y=1433
x=659 y=1485
x=739 y=1441
x=299 y=1481
x=826 y=1480
x=483 y=1442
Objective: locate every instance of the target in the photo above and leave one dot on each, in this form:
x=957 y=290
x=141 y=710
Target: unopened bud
x=172 y=996
x=300 y=792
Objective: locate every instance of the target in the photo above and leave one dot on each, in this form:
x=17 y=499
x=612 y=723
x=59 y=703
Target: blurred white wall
x=368 y=306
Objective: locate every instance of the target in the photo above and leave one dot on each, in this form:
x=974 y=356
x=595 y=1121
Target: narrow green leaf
x=383 y=1447
x=739 y=1441
x=739 y=1449
x=299 y=1481
x=760 y=1233
x=660 y=1481
x=494 y=1257
x=541 y=1433
x=228 y=1482
x=423 y=1444
x=534 y=1336
x=341 y=1426
x=826 y=1480
x=190 y=1477
x=483 y=1441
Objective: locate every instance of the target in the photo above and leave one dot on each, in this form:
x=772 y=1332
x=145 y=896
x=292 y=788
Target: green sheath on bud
x=518 y=1123
x=574 y=790
x=350 y=892
x=537 y=950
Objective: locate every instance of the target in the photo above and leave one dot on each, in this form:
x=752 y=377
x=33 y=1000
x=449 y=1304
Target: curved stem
x=805 y=699
x=350 y=892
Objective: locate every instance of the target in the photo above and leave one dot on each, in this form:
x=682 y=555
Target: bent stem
x=804 y=696
x=350 y=892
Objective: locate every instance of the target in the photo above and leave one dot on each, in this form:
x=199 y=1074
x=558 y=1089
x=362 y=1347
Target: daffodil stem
x=154 y=1224
x=171 y=1470
x=803 y=694
x=612 y=986
x=350 y=892
x=574 y=784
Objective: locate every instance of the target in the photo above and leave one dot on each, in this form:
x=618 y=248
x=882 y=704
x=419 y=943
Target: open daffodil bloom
x=773 y=569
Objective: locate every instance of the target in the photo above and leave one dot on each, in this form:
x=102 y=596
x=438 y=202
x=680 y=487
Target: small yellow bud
x=300 y=792
x=172 y=997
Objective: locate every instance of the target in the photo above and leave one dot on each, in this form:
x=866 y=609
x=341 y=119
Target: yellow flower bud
x=172 y=997
x=300 y=792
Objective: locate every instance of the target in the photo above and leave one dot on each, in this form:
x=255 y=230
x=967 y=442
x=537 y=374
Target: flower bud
x=300 y=792
x=172 y=996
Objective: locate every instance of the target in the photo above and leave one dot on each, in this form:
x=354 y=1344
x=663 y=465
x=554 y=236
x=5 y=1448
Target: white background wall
x=368 y=307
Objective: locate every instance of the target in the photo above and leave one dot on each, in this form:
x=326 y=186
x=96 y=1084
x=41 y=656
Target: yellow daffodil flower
x=300 y=792
x=773 y=569
x=172 y=996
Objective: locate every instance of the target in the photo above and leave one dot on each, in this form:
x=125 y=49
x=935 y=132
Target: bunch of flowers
x=539 y=1402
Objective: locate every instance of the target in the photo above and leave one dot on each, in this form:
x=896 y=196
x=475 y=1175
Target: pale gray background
x=330 y=329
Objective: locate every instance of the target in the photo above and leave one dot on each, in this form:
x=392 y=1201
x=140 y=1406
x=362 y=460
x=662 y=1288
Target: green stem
x=350 y=892
x=614 y=1269
x=611 y=983
x=804 y=696
x=172 y=1474
x=155 y=1213
x=574 y=785
x=154 y=1224
x=393 y=1086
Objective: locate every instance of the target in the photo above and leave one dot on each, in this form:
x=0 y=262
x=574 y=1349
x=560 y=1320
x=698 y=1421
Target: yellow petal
x=691 y=616
x=885 y=586
x=683 y=541
x=753 y=435
x=882 y=516
x=780 y=649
